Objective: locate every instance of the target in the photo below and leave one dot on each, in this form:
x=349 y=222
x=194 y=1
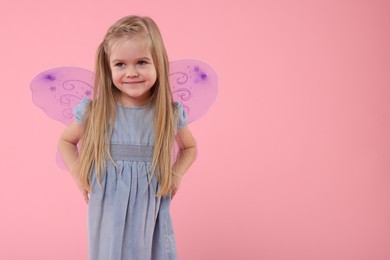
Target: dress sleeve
x=182 y=119
x=79 y=110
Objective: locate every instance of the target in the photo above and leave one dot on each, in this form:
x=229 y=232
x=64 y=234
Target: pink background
x=294 y=157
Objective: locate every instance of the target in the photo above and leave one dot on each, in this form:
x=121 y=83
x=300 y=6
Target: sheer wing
x=194 y=83
x=56 y=91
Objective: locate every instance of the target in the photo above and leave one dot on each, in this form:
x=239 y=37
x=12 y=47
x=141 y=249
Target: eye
x=120 y=65
x=141 y=62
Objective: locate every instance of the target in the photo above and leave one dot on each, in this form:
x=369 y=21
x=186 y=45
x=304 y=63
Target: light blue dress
x=126 y=220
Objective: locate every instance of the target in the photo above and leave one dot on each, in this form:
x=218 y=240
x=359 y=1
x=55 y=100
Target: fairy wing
x=56 y=91
x=194 y=84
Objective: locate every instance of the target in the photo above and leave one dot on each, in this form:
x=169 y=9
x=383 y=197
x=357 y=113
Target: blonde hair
x=101 y=113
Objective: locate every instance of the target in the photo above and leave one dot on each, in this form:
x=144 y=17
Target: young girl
x=124 y=168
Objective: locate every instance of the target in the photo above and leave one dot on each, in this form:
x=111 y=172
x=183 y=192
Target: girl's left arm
x=185 y=158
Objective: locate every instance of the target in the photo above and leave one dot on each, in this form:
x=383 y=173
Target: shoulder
x=180 y=115
x=178 y=108
x=80 y=108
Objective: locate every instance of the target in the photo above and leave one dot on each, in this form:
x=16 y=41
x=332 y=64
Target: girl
x=124 y=169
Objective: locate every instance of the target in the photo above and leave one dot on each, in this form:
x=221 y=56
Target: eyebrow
x=121 y=60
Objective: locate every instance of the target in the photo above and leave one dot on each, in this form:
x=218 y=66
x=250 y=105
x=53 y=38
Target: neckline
x=131 y=107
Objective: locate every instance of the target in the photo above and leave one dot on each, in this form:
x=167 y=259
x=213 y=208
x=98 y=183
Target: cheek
x=154 y=75
x=115 y=76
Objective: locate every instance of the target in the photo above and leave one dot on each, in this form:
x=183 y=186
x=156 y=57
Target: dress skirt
x=126 y=219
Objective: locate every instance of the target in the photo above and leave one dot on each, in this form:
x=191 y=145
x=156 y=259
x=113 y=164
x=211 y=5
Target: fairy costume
x=126 y=220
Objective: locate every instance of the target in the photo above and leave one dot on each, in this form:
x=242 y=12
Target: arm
x=186 y=156
x=67 y=146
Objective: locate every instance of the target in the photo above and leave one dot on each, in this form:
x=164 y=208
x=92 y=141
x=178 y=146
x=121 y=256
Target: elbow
x=194 y=153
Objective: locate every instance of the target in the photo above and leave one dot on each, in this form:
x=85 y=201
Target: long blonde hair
x=100 y=114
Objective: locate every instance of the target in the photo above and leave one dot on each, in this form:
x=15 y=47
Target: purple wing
x=56 y=91
x=194 y=84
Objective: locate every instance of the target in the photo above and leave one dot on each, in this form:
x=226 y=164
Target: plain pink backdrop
x=294 y=157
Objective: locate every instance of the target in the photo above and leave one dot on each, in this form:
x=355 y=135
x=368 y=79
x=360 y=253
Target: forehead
x=129 y=45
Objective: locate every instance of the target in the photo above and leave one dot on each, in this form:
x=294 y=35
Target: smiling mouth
x=132 y=83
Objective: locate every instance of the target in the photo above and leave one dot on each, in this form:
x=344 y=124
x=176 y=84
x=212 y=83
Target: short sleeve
x=182 y=119
x=79 y=110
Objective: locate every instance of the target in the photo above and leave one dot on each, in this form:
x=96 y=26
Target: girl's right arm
x=67 y=146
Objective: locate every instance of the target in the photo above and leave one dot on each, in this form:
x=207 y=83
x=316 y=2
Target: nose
x=131 y=72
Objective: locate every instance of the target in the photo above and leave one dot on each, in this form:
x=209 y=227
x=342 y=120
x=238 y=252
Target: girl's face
x=133 y=70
